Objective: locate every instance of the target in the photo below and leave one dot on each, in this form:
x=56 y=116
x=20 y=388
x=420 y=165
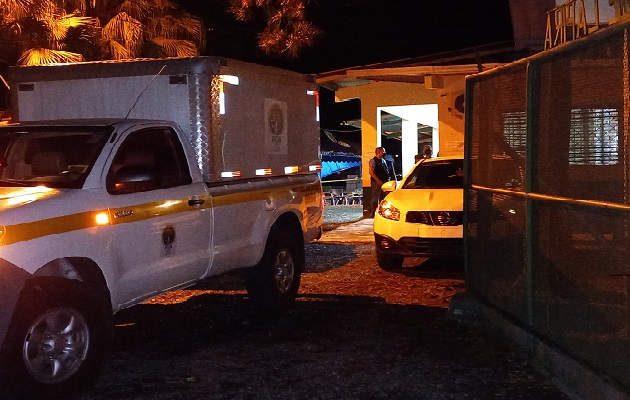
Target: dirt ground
x=356 y=332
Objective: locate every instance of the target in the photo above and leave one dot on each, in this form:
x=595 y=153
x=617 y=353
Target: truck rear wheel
x=56 y=345
x=273 y=284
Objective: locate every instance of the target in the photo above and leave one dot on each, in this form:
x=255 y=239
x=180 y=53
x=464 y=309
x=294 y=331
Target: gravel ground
x=336 y=215
x=356 y=332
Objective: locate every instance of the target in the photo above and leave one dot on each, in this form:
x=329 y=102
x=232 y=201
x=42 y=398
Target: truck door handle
x=195 y=201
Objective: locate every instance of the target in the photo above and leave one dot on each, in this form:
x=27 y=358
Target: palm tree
x=52 y=31
x=38 y=30
x=287 y=32
x=48 y=31
x=146 y=28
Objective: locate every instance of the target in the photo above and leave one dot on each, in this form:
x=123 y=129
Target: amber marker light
x=291 y=169
x=230 y=174
x=102 y=218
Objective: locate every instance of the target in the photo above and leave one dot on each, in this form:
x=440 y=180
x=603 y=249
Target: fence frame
x=573 y=375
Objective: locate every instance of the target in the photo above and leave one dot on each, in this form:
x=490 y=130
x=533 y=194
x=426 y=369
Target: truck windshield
x=444 y=174
x=56 y=157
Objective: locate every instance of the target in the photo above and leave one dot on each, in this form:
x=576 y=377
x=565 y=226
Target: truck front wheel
x=273 y=284
x=56 y=344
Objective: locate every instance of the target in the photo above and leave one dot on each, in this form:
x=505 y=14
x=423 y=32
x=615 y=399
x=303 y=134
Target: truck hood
x=20 y=205
x=14 y=197
x=28 y=213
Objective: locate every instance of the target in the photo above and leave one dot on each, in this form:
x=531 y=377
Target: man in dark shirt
x=379 y=174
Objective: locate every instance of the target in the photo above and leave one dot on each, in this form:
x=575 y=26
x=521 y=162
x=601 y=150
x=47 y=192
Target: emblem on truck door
x=276 y=120
x=168 y=238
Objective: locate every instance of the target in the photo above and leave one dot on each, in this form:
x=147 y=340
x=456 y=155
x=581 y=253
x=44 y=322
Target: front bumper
x=12 y=281
x=419 y=247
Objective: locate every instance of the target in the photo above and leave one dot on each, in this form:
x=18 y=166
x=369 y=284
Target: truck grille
x=436 y=218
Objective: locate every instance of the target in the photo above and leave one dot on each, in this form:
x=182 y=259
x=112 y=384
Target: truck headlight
x=388 y=211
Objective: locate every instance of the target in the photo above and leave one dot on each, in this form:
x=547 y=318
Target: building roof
x=414 y=70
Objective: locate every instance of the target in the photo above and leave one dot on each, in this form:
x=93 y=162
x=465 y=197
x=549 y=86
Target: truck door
x=161 y=218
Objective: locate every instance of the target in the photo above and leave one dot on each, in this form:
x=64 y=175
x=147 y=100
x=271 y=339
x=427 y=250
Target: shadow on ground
x=434 y=268
x=321 y=257
x=212 y=346
x=355 y=332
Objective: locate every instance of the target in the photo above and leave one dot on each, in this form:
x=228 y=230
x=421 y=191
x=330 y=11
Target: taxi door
x=161 y=216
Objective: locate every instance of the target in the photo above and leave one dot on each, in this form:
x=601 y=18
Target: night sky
x=360 y=32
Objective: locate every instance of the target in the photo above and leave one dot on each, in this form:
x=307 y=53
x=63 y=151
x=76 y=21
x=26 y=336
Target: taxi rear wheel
x=389 y=262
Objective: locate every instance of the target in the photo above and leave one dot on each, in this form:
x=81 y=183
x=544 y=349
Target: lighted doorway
x=405 y=130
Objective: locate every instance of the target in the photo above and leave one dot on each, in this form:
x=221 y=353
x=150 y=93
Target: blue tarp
x=332 y=163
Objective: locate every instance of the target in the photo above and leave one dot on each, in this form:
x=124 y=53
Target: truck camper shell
x=243 y=120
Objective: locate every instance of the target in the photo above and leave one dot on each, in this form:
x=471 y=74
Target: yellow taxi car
x=424 y=216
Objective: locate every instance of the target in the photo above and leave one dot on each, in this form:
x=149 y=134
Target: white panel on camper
x=92 y=98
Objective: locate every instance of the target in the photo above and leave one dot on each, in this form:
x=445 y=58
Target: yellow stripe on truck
x=51 y=226
x=11 y=234
x=219 y=200
x=142 y=212
x=245 y=197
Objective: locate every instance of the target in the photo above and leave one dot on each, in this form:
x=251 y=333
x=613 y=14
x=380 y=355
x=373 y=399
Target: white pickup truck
x=100 y=214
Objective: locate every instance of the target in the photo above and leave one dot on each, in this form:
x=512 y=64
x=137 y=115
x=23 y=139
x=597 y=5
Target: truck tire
x=273 y=284
x=56 y=344
x=389 y=262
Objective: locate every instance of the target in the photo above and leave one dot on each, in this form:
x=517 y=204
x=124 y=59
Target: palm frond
x=164 y=5
x=41 y=56
x=59 y=27
x=138 y=9
x=74 y=6
x=288 y=37
x=125 y=30
x=243 y=10
x=303 y=35
x=11 y=10
x=170 y=26
x=176 y=47
x=288 y=30
x=119 y=29
x=192 y=28
x=117 y=51
x=272 y=41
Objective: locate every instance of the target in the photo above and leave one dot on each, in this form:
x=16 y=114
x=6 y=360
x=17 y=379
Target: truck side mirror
x=132 y=179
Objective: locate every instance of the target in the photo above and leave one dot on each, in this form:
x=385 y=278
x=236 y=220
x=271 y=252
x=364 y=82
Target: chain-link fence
x=548 y=197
